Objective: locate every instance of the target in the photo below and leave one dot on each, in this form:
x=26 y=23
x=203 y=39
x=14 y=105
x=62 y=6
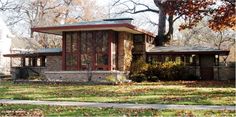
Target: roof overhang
x=221 y=52
x=19 y=55
x=58 y=30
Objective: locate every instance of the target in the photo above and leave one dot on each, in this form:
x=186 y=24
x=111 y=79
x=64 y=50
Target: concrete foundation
x=85 y=76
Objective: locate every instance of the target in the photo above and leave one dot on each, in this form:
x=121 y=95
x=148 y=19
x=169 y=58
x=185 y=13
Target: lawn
x=171 y=92
x=36 y=110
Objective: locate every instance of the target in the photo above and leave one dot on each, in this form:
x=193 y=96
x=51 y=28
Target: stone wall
x=194 y=70
x=224 y=73
x=83 y=76
x=54 y=63
x=125 y=45
x=25 y=72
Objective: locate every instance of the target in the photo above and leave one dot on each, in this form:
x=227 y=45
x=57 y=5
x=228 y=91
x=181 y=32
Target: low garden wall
x=224 y=73
x=85 y=76
x=25 y=72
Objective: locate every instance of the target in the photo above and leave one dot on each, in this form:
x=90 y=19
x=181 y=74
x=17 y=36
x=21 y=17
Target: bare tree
x=48 y=12
x=192 y=11
x=202 y=35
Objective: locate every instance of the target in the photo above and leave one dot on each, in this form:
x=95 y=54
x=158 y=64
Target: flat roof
x=186 y=50
x=37 y=53
x=112 y=24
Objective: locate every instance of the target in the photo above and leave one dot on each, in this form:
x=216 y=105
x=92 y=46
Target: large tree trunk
x=160 y=38
x=163 y=36
x=161 y=27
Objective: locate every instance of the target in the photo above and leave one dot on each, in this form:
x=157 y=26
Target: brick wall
x=54 y=63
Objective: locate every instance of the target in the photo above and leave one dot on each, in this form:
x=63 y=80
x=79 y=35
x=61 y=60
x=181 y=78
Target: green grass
x=41 y=110
x=171 y=92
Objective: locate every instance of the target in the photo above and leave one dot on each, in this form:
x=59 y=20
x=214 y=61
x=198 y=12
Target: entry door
x=206 y=67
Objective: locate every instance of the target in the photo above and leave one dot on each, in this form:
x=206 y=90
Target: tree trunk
x=161 y=27
x=160 y=38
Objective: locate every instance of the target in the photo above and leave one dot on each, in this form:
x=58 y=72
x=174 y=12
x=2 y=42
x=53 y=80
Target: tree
x=8 y=5
x=34 y=13
x=202 y=35
x=222 y=14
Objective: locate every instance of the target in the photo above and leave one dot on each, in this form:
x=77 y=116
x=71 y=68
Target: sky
x=141 y=20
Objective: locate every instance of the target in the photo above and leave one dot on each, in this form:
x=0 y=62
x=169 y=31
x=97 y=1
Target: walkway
x=119 y=105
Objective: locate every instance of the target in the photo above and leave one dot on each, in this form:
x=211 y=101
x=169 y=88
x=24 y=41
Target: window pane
x=71 y=60
x=68 y=42
x=83 y=42
x=86 y=59
x=102 y=59
x=74 y=42
x=89 y=43
x=138 y=38
x=105 y=42
x=99 y=41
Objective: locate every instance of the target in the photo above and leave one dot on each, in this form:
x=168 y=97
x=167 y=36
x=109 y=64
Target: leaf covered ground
x=169 y=92
x=40 y=110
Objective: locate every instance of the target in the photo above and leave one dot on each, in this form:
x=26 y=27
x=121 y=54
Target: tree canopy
x=221 y=14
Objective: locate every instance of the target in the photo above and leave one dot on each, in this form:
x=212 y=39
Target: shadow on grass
x=204 y=84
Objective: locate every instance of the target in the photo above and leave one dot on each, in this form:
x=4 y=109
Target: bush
x=165 y=71
x=138 y=70
x=141 y=71
x=138 y=78
x=189 y=76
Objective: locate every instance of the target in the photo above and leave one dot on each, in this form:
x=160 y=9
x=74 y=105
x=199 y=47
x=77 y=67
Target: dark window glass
x=138 y=38
x=68 y=42
x=71 y=60
x=83 y=42
x=86 y=59
x=102 y=59
x=74 y=42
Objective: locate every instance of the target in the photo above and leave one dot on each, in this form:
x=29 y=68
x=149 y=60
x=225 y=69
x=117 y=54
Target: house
x=31 y=63
x=200 y=61
x=5 y=44
x=98 y=50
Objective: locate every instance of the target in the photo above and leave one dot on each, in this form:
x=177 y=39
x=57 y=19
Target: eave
x=58 y=30
x=190 y=52
x=17 y=55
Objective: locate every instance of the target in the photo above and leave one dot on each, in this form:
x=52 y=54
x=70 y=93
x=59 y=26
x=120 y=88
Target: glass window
x=83 y=42
x=105 y=42
x=86 y=59
x=138 y=38
x=178 y=59
x=167 y=58
x=68 y=42
x=89 y=42
x=71 y=60
x=74 y=42
x=102 y=59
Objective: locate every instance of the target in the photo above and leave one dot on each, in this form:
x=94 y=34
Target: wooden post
x=30 y=61
x=34 y=62
x=109 y=50
x=23 y=61
x=42 y=61
x=64 y=51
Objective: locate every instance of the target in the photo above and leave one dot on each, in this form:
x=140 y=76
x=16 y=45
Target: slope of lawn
x=40 y=110
x=171 y=92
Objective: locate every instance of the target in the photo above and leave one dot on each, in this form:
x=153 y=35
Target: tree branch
x=134 y=10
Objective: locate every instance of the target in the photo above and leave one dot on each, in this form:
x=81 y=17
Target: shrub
x=141 y=71
x=138 y=70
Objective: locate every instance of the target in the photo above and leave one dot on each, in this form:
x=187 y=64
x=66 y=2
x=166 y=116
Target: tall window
x=94 y=50
x=87 y=50
x=101 y=48
x=71 y=51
